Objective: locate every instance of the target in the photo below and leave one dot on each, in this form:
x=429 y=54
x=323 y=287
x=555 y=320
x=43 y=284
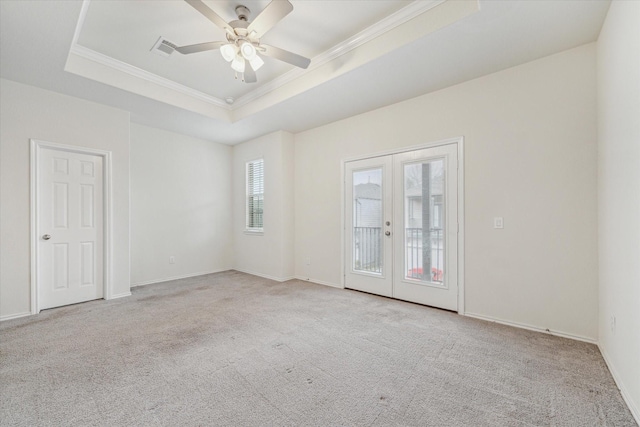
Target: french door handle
x=387 y=233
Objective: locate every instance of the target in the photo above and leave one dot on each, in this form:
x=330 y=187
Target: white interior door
x=369 y=256
x=70 y=227
x=402 y=226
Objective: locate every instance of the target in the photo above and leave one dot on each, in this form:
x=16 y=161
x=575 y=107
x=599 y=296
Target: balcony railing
x=367 y=252
x=367 y=249
x=414 y=255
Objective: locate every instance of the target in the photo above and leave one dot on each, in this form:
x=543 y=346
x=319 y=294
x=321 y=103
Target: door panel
x=401 y=226
x=70 y=227
x=368 y=209
x=425 y=235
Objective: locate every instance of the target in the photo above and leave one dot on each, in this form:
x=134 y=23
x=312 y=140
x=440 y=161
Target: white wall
x=530 y=150
x=180 y=198
x=271 y=253
x=28 y=112
x=619 y=195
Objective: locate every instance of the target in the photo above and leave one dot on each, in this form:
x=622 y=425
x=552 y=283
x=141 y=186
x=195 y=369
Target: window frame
x=249 y=229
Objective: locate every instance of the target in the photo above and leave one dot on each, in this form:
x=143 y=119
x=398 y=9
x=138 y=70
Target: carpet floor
x=231 y=349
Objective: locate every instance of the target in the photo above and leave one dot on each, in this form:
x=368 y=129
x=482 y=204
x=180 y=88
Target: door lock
x=46 y=237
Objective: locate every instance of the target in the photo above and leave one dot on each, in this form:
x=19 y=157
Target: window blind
x=255 y=195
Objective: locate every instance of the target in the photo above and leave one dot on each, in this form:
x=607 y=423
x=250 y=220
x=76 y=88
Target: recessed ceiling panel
x=127 y=30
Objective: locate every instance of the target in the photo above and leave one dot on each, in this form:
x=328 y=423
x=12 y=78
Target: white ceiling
x=109 y=42
x=126 y=31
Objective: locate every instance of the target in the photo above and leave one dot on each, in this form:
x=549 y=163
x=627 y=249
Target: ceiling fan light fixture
x=248 y=51
x=238 y=64
x=228 y=52
x=242 y=44
x=256 y=63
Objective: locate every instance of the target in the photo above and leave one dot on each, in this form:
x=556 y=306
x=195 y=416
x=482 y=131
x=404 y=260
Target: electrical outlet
x=613 y=324
x=172 y=260
x=498 y=222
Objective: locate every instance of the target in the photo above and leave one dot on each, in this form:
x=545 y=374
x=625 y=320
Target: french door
x=401 y=226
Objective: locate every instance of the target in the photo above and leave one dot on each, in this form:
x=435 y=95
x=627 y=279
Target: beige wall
x=619 y=195
x=269 y=254
x=180 y=198
x=530 y=157
x=28 y=112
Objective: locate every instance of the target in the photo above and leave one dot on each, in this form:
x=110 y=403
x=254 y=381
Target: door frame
x=35 y=149
x=459 y=143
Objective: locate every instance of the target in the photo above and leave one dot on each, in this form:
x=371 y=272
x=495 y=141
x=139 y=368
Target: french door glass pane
x=424 y=221
x=367 y=221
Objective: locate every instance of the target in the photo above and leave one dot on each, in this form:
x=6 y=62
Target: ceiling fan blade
x=210 y=15
x=249 y=74
x=285 y=55
x=200 y=47
x=270 y=16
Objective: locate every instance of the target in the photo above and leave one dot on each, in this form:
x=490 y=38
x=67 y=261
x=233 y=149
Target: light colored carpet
x=238 y=350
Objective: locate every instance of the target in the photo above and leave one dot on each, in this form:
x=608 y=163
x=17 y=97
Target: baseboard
x=635 y=411
x=121 y=295
x=168 y=279
x=15 y=316
x=531 y=328
x=266 y=276
x=319 y=282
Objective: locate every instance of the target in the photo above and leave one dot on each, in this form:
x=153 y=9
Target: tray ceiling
x=365 y=54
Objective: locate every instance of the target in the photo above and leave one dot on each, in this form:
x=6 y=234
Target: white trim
x=15 y=316
x=400 y=150
x=266 y=276
x=169 y=279
x=635 y=411
x=461 y=306
x=122 y=295
x=35 y=146
x=459 y=142
x=381 y=27
x=115 y=64
x=531 y=328
x=83 y=15
x=320 y=282
x=343 y=225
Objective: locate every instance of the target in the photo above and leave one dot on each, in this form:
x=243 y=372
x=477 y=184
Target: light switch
x=498 y=222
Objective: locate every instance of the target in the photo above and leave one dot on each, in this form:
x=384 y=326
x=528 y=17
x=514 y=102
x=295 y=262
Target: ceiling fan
x=243 y=48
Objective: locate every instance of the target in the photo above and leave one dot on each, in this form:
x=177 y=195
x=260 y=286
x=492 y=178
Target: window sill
x=254 y=232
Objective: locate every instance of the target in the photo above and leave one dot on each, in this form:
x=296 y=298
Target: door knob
x=46 y=237
x=387 y=233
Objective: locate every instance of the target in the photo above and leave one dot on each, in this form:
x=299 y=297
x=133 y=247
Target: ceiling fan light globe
x=248 y=51
x=238 y=64
x=256 y=63
x=228 y=52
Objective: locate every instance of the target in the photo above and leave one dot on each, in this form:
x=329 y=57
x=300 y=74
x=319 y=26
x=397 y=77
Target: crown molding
x=389 y=23
x=108 y=61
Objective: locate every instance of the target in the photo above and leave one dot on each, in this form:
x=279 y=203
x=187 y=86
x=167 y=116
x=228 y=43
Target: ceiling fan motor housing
x=243 y=12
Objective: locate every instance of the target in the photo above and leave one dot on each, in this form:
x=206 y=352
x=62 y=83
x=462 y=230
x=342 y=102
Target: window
x=255 y=195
